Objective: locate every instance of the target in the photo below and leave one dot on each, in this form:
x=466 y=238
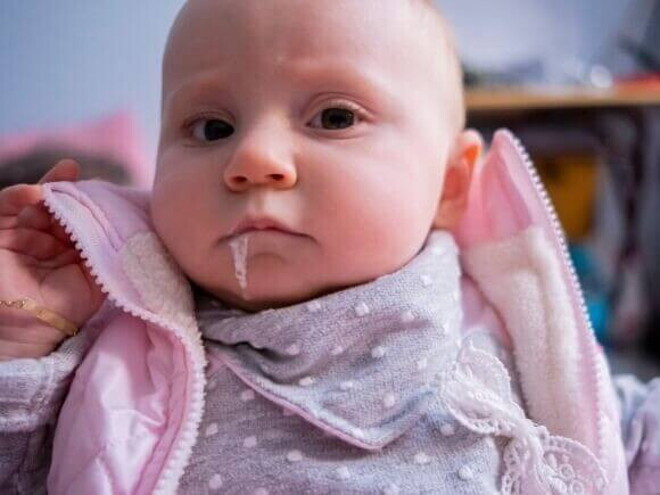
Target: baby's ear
x=458 y=176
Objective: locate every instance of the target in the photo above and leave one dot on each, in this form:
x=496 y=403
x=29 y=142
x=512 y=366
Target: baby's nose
x=261 y=158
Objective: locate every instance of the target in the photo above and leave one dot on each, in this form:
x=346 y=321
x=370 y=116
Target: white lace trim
x=476 y=390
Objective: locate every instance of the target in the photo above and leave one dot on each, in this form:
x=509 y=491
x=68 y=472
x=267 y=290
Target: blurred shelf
x=522 y=99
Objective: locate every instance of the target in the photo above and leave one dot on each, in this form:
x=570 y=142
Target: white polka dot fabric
x=338 y=394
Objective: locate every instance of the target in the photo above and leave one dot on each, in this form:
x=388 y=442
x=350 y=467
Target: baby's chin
x=267 y=282
x=270 y=296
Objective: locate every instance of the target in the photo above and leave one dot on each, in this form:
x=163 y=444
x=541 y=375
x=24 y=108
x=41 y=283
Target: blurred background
x=578 y=82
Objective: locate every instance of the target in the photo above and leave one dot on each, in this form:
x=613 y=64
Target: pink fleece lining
x=504 y=184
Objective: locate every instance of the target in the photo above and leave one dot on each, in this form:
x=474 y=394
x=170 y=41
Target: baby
x=326 y=291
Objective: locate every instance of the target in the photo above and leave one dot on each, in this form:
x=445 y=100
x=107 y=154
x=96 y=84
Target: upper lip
x=259 y=223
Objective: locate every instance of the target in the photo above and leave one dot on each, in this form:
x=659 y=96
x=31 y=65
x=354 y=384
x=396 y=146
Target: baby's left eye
x=336 y=118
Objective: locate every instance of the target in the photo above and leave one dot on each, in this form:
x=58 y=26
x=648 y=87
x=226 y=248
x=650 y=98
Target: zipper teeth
x=559 y=236
x=173 y=468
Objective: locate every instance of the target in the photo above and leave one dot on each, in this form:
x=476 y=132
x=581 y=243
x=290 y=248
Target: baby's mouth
x=261 y=224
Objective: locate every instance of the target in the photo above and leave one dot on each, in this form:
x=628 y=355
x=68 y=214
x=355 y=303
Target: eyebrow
x=207 y=82
x=340 y=76
x=340 y=73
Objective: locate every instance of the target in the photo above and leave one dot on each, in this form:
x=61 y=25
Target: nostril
x=241 y=179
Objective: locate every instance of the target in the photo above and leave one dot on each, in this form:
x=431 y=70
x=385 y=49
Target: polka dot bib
x=329 y=385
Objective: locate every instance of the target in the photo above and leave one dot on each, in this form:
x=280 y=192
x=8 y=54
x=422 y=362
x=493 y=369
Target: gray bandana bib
x=361 y=363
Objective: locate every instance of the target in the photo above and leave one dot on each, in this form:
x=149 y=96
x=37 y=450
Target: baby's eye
x=211 y=130
x=336 y=117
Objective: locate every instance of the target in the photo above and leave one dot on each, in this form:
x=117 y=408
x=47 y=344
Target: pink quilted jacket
x=130 y=420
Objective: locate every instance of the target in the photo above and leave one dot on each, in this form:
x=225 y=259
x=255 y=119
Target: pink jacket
x=139 y=392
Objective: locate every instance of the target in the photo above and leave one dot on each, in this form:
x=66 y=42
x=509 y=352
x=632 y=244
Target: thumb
x=64 y=170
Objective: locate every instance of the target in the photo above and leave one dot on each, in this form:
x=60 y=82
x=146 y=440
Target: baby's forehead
x=407 y=38
x=289 y=18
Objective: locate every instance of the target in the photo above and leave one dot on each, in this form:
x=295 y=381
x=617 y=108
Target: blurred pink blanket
x=116 y=136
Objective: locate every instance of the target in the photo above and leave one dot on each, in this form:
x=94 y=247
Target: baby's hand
x=39 y=262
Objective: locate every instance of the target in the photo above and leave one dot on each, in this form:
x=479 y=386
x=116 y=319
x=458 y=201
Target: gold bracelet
x=45 y=315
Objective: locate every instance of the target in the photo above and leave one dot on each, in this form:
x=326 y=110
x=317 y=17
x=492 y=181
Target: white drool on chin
x=239 y=249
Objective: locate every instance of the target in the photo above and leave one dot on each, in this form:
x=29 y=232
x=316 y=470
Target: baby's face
x=324 y=116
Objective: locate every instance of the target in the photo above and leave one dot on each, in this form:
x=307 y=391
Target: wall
x=493 y=34
x=76 y=60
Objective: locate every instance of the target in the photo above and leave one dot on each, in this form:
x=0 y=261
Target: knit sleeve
x=32 y=392
x=640 y=426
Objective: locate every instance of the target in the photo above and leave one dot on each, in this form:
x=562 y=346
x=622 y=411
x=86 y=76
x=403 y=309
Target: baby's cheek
x=372 y=250
x=174 y=228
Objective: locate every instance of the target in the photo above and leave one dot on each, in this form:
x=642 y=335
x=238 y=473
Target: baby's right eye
x=211 y=130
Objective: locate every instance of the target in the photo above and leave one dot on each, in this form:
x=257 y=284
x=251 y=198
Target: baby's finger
x=8 y=222
x=31 y=216
x=34 y=217
x=33 y=243
x=68 y=257
x=60 y=234
x=66 y=169
x=14 y=198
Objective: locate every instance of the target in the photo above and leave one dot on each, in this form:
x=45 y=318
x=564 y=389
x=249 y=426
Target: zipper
x=173 y=467
x=559 y=238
